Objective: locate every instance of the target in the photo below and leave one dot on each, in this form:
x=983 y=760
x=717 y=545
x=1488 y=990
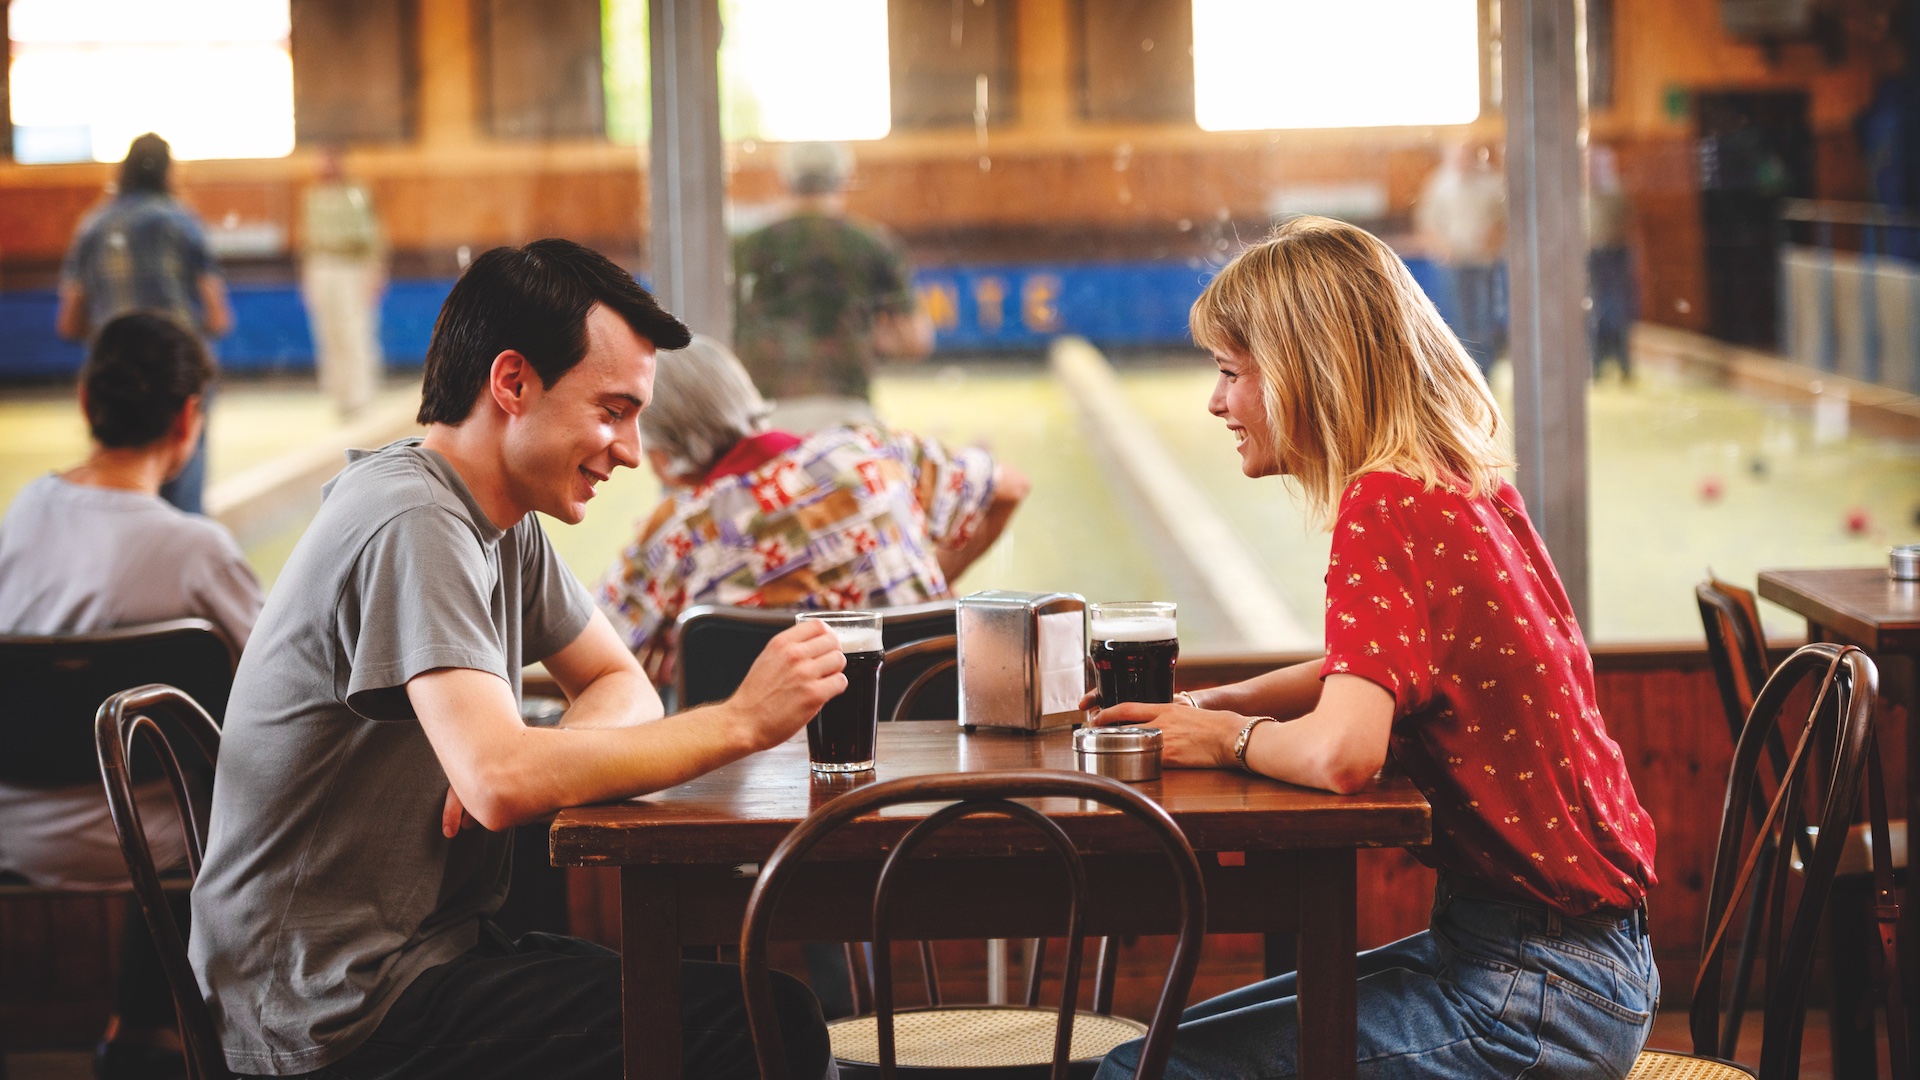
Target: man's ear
x=186 y=426
x=512 y=381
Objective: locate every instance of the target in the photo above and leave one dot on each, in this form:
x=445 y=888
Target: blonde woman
x=1451 y=648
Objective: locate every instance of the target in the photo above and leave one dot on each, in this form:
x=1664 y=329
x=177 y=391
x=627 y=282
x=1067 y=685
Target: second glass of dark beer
x=1133 y=645
x=840 y=736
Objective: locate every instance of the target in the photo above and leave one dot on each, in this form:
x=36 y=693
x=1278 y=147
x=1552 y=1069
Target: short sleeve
x=420 y=597
x=229 y=594
x=893 y=276
x=1376 y=604
x=953 y=488
x=73 y=266
x=554 y=606
x=199 y=257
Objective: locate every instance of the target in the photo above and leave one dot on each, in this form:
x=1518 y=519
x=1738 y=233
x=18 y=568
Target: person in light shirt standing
x=1462 y=219
x=342 y=273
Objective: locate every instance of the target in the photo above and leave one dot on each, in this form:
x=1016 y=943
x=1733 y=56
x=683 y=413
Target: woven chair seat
x=978 y=1037
x=1662 y=1065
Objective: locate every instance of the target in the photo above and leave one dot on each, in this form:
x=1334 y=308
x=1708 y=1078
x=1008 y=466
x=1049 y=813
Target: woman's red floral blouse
x=1451 y=604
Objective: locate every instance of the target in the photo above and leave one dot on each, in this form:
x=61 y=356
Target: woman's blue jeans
x=1491 y=989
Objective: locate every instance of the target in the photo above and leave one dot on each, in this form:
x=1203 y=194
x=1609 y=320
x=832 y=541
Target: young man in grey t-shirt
x=342 y=919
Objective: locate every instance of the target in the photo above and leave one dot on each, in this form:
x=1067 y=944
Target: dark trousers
x=187 y=489
x=549 y=1006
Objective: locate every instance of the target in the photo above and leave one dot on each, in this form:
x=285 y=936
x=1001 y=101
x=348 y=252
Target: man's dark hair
x=533 y=300
x=149 y=158
x=139 y=373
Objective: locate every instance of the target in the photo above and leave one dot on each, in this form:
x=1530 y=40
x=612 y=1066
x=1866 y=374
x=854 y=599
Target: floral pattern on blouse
x=849 y=518
x=1451 y=604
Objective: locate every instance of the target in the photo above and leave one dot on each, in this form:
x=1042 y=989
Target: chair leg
x=1104 y=975
x=1850 y=1013
x=1036 y=967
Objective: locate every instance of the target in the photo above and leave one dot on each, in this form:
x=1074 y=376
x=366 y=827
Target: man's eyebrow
x=630 y=399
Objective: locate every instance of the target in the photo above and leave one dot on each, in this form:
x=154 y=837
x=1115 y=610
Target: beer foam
x=857 y=639
x=1134 y=628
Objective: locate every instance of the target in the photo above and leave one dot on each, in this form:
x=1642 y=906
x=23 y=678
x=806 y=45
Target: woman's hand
x=1190 y=738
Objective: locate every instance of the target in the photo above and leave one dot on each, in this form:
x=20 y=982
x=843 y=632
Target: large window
x=212 y=76
x=1311 y=64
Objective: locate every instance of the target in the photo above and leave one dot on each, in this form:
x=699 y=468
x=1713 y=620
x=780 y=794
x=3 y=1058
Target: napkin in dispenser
x=1023 y=661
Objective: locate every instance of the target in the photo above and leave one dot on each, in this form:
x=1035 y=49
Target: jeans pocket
x=1585 y=1034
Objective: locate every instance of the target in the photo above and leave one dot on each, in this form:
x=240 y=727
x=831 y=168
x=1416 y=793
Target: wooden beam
x=448 y=109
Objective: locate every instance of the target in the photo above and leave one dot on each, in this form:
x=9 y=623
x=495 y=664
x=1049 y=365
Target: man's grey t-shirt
x=328 y=885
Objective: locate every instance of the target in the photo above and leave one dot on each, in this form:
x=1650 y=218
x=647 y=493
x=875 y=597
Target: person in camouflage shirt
x=821 y=296
x=849 y=517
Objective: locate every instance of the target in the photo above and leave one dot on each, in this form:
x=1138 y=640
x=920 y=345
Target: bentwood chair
x=1737 y=648
x=52 y=684
x=944 y=1043
x=718 y=643
x=1831 y=763
x=149 y=713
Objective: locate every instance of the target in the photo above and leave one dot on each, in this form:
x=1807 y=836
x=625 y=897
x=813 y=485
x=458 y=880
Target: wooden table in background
x=1865 y=607
x=679 y=850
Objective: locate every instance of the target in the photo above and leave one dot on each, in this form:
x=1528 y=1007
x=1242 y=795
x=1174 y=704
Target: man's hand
x=797 y=673
x=454 y=818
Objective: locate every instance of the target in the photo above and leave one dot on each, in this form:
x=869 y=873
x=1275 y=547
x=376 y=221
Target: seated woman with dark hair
x=848 y=517
x=95 y=548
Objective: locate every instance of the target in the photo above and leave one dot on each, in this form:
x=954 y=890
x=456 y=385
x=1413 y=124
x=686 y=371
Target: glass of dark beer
x=840 y=736
x=1133 y=645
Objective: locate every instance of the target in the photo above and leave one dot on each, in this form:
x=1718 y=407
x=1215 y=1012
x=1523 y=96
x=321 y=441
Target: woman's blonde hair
x=1358 y=371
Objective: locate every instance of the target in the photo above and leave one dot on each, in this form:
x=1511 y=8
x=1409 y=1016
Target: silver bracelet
x=1246 y=737
x=1188 y=694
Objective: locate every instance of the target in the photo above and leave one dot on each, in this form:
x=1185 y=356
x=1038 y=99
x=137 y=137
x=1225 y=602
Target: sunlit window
x=211 y=76
x=796 y=72
x=1313 y=64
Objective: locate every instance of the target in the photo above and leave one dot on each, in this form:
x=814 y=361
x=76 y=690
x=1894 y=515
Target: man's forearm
x=619 y=700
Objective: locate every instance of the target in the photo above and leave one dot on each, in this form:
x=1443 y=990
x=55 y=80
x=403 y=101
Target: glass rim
x=838 y=616
x=1155 y=607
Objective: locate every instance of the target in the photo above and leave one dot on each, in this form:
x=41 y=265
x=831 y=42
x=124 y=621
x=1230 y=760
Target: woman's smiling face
x=1240 y=399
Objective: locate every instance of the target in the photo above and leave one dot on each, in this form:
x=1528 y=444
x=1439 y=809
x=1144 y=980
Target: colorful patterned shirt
x=848 y=518
x=1451 y=603
x=809 y=288
x=142 y=251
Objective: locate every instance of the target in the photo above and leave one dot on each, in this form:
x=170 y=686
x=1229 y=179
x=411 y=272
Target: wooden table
x=1867 y=608
x=683 y=879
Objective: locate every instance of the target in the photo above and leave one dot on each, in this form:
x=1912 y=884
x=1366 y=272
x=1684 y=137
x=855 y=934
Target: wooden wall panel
x=1136 y=60
x=936 y=52
x=355 y=71
x=540 y=68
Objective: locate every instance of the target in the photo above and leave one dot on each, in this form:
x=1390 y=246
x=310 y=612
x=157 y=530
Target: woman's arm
x=1338 y=746
x=1282 y=694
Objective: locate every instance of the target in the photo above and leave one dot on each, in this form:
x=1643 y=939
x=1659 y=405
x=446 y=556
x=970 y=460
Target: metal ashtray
x=1903 y=562
x=1123 y=753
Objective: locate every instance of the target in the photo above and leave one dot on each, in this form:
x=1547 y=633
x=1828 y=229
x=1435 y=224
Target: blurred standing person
x=342 y=274
x=1462 y=219
x=1611 y=286
x=821 y=297
x=145 y=251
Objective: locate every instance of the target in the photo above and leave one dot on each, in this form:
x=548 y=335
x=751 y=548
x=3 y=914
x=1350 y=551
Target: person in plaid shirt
x=848 y=517
x=1452 y=651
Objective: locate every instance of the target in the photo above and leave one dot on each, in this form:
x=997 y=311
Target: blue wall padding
x=1011 y=308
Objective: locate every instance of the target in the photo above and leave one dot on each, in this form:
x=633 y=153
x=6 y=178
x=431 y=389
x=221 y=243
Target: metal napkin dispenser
x=1022 y=661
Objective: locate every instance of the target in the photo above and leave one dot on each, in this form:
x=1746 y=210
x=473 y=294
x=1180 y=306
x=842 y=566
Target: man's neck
x=142 y=469
x=475 y=455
